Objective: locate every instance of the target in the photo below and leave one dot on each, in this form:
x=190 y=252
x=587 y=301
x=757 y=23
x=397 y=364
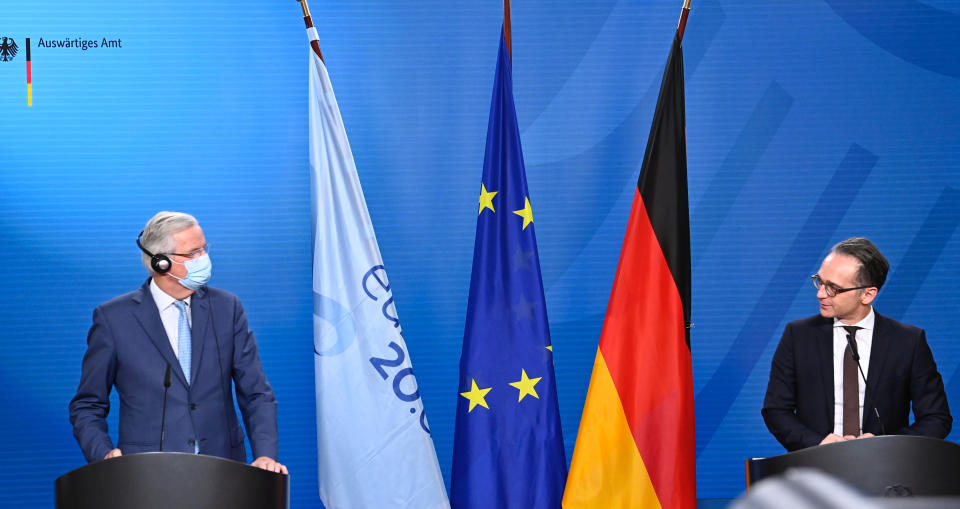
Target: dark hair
x=873 y=265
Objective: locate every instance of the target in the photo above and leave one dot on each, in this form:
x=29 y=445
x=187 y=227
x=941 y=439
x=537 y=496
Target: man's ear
x=866 y=298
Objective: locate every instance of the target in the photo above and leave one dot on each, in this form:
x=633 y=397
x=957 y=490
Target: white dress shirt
x=864 y=341
x=170 y=315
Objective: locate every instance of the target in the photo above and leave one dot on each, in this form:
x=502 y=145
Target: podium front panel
x=164 y=480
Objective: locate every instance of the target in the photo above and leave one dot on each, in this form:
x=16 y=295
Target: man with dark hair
x=179 y=346
x=818 y=394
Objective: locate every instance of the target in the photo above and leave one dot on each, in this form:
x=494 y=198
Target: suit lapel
x=824 y=341
x=878 y=352
x=200 y=308
x=149 y=317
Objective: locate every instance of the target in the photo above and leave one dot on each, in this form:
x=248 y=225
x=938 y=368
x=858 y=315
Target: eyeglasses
x=831 y=289
x=196 y=253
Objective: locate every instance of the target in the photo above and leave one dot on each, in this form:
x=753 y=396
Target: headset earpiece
x=160 y=263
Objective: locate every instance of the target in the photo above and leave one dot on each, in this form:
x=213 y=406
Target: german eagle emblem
x=8 y=49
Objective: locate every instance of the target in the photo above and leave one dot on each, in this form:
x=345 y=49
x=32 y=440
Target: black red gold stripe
x=637 y=441
x=29 y=77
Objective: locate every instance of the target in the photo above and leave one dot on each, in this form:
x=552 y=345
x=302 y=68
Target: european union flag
x=508 y=448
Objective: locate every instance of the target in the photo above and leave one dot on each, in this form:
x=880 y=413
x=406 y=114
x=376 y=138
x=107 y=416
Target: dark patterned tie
x=851 y=387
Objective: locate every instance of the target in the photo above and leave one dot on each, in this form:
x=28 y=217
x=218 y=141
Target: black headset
x=159 y=262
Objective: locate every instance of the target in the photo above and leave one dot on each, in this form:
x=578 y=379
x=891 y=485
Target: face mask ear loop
x=167 y=273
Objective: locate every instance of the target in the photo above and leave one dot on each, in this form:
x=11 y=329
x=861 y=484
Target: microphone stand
x=163 y=414
x=856 y=357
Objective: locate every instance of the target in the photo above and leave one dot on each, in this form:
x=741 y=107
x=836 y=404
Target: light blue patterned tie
x=184 y=340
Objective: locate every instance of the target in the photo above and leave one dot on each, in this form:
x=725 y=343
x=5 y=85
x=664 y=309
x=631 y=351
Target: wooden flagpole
x=506 y=29
x=311 y=30
x=683 y=18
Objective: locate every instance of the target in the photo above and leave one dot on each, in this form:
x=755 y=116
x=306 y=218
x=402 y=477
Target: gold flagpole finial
x=305 y=7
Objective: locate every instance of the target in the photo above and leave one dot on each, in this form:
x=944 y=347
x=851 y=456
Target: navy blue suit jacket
x=127 y=348
x=798 y=407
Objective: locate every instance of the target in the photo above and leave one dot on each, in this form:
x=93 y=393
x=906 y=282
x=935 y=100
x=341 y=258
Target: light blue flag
x=373 y=440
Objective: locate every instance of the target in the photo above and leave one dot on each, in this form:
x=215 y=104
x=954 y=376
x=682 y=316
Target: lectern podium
x=169 y=479
x=877 y=466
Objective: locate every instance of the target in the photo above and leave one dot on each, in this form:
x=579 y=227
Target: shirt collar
x=161 y=297
x=866 y=323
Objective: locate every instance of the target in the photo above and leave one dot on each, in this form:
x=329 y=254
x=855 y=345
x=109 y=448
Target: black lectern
x=170 y=479
x=877 y=466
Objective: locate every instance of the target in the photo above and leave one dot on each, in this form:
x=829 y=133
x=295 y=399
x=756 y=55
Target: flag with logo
x=636 y=444
x=373 y=439
x=508 y=446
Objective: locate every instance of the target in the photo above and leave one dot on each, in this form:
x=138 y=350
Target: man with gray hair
x=175 y=346
x=851 y=372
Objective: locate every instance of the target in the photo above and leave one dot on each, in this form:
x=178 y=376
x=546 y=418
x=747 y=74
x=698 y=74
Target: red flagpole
x=683 y=18
x=506 y=28
x=311 y=31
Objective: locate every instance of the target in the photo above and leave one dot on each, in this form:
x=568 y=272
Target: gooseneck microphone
x=163 y=413
x=856 y=357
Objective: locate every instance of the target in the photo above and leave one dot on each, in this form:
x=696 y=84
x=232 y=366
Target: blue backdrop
x=807 y=122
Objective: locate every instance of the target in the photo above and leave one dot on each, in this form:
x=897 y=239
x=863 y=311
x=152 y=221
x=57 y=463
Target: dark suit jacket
x=127 y=348
x=798 y=407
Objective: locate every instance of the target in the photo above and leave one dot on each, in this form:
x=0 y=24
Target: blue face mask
x=198 y=272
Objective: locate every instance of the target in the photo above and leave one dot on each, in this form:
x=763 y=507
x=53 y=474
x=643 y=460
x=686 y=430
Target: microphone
x=163 y=414
x=856 y=357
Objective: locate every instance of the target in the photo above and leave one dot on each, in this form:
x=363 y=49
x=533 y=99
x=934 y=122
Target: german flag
x=637 y=443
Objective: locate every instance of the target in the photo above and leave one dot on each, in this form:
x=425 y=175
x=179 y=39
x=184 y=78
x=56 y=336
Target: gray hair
x=159 y=231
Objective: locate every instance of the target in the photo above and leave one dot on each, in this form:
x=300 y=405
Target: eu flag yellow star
x=526 y=213
x=526 y=385
x=486 y=199
x=476 y=396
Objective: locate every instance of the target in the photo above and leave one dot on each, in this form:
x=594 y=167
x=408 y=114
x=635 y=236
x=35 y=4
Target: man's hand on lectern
x=831 y=438
x=270 y=464
x=113 y=454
